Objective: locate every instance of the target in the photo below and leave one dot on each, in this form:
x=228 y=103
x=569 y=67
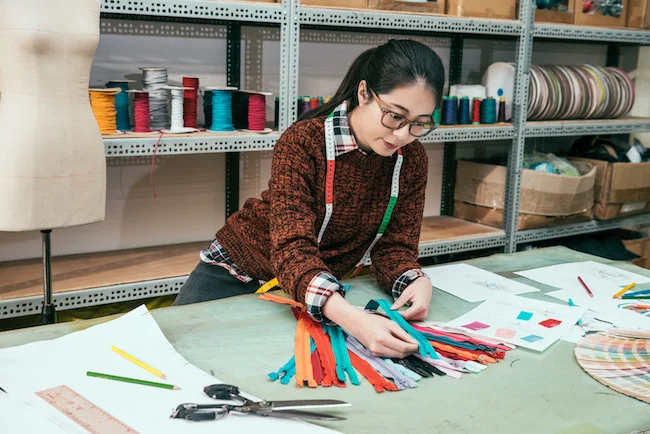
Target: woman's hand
x=418 y=293
x=382 y=336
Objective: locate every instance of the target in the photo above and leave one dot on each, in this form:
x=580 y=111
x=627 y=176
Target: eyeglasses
x=395 y=121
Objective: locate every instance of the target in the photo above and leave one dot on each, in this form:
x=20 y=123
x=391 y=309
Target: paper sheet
x=27 y=369
x=472 y=283
x=608 y=318
x=603 y=280
x=541 y=324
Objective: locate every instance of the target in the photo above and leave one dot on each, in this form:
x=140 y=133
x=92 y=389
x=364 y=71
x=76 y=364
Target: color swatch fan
x=618 y=359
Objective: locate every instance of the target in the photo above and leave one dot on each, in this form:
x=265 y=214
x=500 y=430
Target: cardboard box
x=545 y=199
x=637 y=14
x=481 y=8
x=357 y=4
x=641 y=248
x=428 y=7
x=582 y=19
x=555 y=17
x=621 y=188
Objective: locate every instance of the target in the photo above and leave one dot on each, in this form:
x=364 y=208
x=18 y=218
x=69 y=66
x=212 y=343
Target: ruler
x=88 y=415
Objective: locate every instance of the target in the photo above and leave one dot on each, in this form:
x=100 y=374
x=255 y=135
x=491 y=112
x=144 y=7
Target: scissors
x=281 y=409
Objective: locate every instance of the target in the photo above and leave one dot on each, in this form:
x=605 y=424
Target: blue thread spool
x=463 y=111
x=488 y=110
x=207 y=108
x=122 y=117
x=222 y=111
x=451 y=111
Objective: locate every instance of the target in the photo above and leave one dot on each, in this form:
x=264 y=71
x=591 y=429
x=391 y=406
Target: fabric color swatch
x=550 y=323
x=532 y=338
x=525 y=316
x=505 y=333
x=476 y=326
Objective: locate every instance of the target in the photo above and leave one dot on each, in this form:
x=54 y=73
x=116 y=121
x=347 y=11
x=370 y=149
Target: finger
x=416 y=312
x=401 y=300
x=400 y=334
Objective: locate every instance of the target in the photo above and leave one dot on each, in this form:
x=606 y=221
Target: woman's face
x=414 y=102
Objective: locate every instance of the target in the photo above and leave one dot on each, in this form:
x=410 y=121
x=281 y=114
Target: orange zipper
x=324 y=350
x=281 y=300
x=482 y=358
x=304 y=369
x=377 y=380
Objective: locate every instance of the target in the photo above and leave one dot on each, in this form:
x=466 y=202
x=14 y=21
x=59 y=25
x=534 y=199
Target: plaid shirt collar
x=343 y=137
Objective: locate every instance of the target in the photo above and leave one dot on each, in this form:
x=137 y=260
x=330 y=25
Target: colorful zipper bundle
x=326 y=356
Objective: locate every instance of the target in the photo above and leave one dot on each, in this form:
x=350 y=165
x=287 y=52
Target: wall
x=189 y=202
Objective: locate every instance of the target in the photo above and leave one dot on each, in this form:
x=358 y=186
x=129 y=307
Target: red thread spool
x=141 y=115
x=256 y=112
x=314 y=102
x=190 y=98
x=476 y=111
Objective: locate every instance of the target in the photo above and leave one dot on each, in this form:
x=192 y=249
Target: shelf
x=97 y=278
x=586 y=127
x=393 y=20
x=587 y=33
x=465 y=133
x=442 y=235
x=129 y=145
x=193 y=9
x=580 y=228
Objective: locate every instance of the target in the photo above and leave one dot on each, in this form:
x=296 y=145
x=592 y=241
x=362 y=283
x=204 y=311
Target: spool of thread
x=257 y=112
x=141 y=115
x=123 y=119
x=502 y=109
x=207 y=108
x=155 y=80
x=102 y=102
x=306 y=104
x=450 y=111
x=488 y=110
x=276 y=117
x=178 y=112
x=190 y=98
x=240 y=110
x=436 y=116
x=314 y=102
x=222 y=110
x=327 y=99
x=476 y=111
x=464 y=111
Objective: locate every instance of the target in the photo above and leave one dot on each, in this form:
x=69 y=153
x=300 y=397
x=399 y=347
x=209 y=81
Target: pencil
x=268 y=286
x=624 y=290
x=141 y=364
x=584 y=285
x=636 y=297
x=132 y=380
x=645 y=291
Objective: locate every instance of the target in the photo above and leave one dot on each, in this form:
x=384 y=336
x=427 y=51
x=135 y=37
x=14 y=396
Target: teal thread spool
x=436 y=116
x=122 y=118
x=488 y=110
x=463 y=111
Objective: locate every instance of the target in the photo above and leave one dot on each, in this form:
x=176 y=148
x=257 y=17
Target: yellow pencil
x=143 y=365
x=624 y=290
x=267 y=286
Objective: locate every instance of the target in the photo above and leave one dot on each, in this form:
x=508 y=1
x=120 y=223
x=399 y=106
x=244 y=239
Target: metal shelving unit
x=289 y=16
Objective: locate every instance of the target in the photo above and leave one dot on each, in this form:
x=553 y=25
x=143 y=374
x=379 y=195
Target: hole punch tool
x=282 y=409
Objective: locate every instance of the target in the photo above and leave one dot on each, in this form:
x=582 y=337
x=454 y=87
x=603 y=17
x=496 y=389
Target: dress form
x=52 y=164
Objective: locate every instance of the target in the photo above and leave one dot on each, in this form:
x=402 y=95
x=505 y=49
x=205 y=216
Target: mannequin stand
x=48 y=315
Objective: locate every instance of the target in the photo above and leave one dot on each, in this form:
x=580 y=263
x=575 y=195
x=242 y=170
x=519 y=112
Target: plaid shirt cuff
x=320 y=288
x=405 y=280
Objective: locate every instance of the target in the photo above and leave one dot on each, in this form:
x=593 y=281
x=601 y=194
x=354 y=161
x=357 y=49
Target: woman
x=347 y=184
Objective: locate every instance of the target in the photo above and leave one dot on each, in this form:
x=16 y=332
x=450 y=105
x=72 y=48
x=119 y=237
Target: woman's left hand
x=418 y=294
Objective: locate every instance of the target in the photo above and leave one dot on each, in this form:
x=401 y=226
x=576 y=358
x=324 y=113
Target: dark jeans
x=212 y=282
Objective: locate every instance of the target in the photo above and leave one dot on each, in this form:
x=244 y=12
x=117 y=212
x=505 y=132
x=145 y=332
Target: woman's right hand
x=380 y=335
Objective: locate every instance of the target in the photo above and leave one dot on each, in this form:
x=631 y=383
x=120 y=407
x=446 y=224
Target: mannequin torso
x=53 y=166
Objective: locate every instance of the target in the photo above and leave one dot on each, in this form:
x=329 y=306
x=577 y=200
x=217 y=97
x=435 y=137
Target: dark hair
x=395 y=64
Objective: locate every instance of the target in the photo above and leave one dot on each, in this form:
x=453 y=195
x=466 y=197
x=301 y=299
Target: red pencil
x=586 y=287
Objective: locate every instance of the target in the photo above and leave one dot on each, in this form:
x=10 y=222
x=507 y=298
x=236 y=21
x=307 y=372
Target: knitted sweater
x=276 y=236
